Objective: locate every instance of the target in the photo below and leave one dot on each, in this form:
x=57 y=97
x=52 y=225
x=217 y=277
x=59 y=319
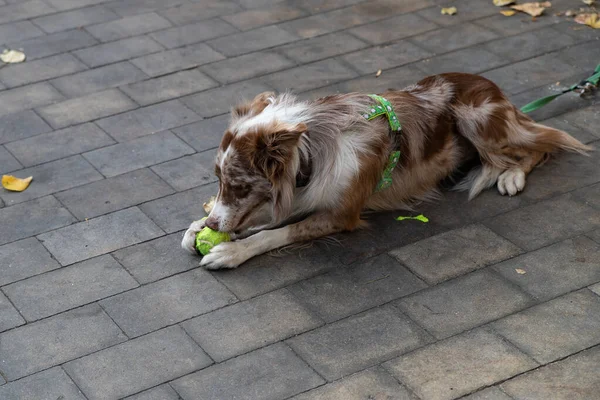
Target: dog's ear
x=256 y=106
x=275 y=148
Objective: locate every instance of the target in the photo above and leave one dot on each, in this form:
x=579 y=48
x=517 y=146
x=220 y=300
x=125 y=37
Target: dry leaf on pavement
x=12 y=56
x=208 y=206
x=449 y=11
x=520 y=271
x=534 y=9
x=588 y=2
x=500 y=3
x=591 y=20
x=378 y=73
x=15 y=184
x=508 y=13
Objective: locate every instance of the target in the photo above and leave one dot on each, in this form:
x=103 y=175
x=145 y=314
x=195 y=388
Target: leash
x=585 y=86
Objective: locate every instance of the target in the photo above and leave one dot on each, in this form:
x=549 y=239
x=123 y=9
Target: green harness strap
x=539 y=103
x=385 y=108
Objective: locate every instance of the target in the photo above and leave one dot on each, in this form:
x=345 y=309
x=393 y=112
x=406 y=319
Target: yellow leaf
x=209 y=205
x=534 y=9
x=508 y=13
x=14 y=184
x=520 y=271
x=12 y=56
x=449 y=11
x=588 y=2
x=500 y=3
x=591 y=20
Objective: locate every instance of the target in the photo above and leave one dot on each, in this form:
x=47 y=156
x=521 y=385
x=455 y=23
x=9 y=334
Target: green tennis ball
x=206 y=239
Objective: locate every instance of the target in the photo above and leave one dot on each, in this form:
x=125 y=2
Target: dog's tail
x=545 y=139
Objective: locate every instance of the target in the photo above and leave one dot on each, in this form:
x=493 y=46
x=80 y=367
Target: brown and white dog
x=292 y=171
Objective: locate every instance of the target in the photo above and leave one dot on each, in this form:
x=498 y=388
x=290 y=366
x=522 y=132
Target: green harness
x=385 y=108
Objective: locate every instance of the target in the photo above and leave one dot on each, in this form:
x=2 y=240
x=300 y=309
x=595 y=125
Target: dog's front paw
x=188 y=242
x=226 y=255
x=511 y=181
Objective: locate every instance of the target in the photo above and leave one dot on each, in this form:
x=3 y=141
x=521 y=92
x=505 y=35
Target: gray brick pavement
x=117 y=113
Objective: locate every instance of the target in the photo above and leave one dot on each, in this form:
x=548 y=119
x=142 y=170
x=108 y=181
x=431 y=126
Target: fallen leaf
x=508 y=13
x=378 y=73
x=588 y=2
x=591 y=20
x=520 y=271
x=419 y=217
x=570 y=13
x=208 y=206
x=534 y=9
x=501 y=3
x=449 y=11
x=15 y=184
x=12 y=56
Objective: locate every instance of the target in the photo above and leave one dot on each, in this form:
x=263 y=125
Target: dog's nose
x=212 y=223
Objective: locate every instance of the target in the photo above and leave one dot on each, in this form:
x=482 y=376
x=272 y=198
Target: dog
x=292 y=171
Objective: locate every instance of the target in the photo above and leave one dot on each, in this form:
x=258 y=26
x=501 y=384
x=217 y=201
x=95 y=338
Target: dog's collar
x=385 y=108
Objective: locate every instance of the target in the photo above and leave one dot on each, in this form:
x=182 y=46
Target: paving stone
x=133 y=7
x=555 y=329
x=9 y=317
x=137 y=364
x=189 y=171
x=537 y=225
x=75 y=18
x=519 y=77
x=55 y=43
x=24 y=258
x=21 y=125
x=156 y=259
x=586 y=118
x=479 y=60
x=176 y=212
x=148 y=120
x=128 y=26
x=99 y=235
x=530 y=44
x=193 y=33
x=113 y=194
x=24 y=98
x=168 y=87
x=7 y=162
x=453 y=38
x=17 y=31
x=138 y=153
x=375 y=58
x=566 y=123
x=595 y=236
x=464 y=303
x=69 y=4
x=53 y=177
x=204 y=135
x=247 y=66
x=344 y=292
x=469 y=10
x=492 y=393
x=219 y=101
x=249 y=325
x=59 y=144
x=52 y=341
x=33 y=217
x=373 y=383
x=250 y=19
x=309 y=76
x=581 y=35
x=119 y=50
x=455 y=253
x=162 y=392
x=57 y=291
x=522 y=23
x=350 y=345
x=318 y=6
x=87 y=108
x=322 y=47
x=459 y=365
x=24 y=10
x=393 y=28
x=589 y=196
x=35 y=71
x=199 y=10
x=167 y=302
x=555 y=270
x=254 y=40
x=266 y=273
x=98 y=79
x=174 y=60
x=271 y=373
x=50 y=384
x=574 y=377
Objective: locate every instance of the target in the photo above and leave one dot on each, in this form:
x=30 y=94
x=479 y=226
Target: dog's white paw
x=188 y=242
x=226 y=255
x=511 y=181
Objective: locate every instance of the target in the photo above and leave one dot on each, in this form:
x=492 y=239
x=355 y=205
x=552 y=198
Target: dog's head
x=256 y=165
